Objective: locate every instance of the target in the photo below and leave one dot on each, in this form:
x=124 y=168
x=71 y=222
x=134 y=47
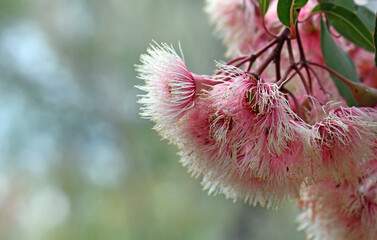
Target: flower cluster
x=334 y=210
x=271 y=124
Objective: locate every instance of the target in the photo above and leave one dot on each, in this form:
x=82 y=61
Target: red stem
x=294 y=66
x=319 y=80
x=236 y=60
x=285 y=77
x=275 y=53
x=341 y=78
x=253 y=57
x=301 y=49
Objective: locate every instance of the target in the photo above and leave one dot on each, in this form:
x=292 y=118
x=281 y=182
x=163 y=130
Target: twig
x=280 y=42
x=333 y=72
x=294 y=66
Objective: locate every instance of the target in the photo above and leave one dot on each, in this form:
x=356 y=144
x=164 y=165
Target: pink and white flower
x=341 y=211
x=170 y=87
x=343 y=141
x=237 y=23
x=246 y=141
x=207 y=152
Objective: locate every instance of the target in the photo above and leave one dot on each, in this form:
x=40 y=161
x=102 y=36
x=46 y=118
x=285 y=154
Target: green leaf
x=350 y=4
x=375 y=41
x=287 y=11
x=348 y=24
x=263 y=6
x=364 y=13
x=340 y=62
x=367 y=16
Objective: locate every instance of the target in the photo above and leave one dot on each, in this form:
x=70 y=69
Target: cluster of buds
x=266 y=127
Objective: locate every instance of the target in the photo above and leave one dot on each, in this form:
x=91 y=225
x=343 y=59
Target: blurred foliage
x=77 y=162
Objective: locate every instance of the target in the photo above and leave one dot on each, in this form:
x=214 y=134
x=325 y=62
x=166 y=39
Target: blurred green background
x=77 y=161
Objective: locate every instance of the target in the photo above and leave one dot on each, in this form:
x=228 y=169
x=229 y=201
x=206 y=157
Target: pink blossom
x=207 y=152
x=260 y=140
x=170 y=87
x=237 y=22
x=324 y=96
x=341 y=211
x=343 y=141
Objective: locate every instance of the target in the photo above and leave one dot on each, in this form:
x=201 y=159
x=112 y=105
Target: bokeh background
x=76 y=160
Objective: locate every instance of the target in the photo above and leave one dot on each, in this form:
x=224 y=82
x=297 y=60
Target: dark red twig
x=275 y=53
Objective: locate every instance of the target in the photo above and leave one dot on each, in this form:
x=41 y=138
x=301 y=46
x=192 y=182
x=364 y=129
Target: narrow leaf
x=350 y=4
x=348 y=24
x=263 y=6
x=340 y=62
x=283 y=8
x=367 y=16
x=287 y=11
x=364 y=13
